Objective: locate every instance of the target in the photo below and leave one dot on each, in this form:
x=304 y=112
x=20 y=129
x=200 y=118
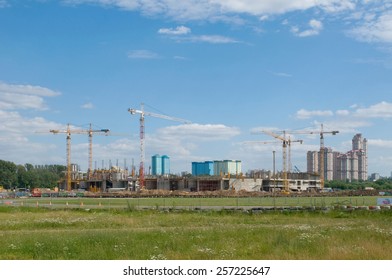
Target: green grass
x=97 y=234
x=190 y=203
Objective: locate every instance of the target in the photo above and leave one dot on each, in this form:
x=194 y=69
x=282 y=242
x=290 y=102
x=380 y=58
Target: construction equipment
x=278 y=142
x=290 y=166
x=322 y=148
x=142 y=135
x=286 y=142
x=70 y=131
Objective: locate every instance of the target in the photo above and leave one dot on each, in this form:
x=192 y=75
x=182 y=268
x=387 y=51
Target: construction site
x=116 y=179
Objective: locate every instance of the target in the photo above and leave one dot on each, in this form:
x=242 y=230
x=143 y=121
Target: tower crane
x=322 y=147
x=286 y=142
x=142 y=135
x=276 y=142
x=70 y=131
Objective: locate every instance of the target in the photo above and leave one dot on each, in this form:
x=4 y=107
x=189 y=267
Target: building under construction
x=117 y=179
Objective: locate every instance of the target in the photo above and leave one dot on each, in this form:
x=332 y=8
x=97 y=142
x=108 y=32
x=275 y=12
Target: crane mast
x=275 y=142
x=321 y=132
x=142 y=136
x=290 y=167
x=68 y=184
x=286 y=143
x=68 y=132
x=142 y=152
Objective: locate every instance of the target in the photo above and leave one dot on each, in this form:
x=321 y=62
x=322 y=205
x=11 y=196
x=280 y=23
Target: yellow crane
x=70 y=131
x=321 y=132
x=286 y=143
x=278 y=142
x=142 y=135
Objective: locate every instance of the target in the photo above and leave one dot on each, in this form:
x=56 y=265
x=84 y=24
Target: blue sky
x=233 y=68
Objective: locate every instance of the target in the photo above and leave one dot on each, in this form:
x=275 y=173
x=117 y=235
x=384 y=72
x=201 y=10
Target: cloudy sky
x=233 y=68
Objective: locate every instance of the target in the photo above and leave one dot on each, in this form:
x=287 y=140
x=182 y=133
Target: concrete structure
x=260 y=174
x=312 y=159
x=117 y=180
x=314 y=166
x=298 y=182
x=101 y=180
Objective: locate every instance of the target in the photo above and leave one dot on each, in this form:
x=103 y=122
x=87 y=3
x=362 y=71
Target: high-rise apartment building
x=350 y=166
x=165 y=165
x=156 y=165
x=160 y=165
x=312 y=162
x=314 y=166
x=217 y=167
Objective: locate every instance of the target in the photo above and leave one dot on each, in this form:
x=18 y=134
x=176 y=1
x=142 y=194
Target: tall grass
x=196 y=202
x=35 y=233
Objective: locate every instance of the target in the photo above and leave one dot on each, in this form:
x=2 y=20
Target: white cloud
x=349 y=121
x=281 y=74
x=24 y=96
x=282 y=6
x=220 y=9
x=374 y=29
x=88 y=105
x=305 y=114
x=337 y=6
x=15 y=139
x=142 y=54
x=264 y=18
x=179 y=30
x=180 y=34
x=344 y=125
x=315 y=27
x=213 y=39
x=17 y=132
x=368 y=21
x=27 y=89
x=13 y=124
x=179 y=57
x=343 y=113
x=259 y=130
x=379 y=110
x=200 y=132
x=3 y=3
x=380 y=143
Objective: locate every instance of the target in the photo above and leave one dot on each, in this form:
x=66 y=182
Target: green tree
x=30 y=176
x=8 y=174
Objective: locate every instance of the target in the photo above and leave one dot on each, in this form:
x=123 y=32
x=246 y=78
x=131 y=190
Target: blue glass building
x=217 y=168
x=203 y=168
x=165 y=165
x=160 y=165
x=156 y=165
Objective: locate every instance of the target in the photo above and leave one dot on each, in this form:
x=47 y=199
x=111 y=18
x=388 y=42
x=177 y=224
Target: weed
x=31 y=233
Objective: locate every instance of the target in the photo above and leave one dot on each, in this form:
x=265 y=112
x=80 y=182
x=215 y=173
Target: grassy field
x=101 y=234
x=189 y=202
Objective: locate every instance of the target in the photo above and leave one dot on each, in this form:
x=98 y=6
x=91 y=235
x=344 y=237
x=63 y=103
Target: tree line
x=30 y=176
x=46 y=176
x=381 y=184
